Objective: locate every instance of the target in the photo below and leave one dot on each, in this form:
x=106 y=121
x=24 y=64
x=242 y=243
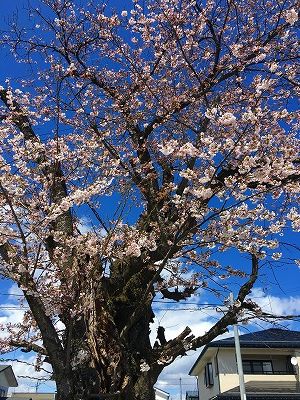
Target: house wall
x=3 y=380
x=206 y=393
x=3 y=384
x=228 y=368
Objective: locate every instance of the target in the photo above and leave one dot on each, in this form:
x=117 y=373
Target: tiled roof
x=271 y=338
x=268 y=387
x=264 y=390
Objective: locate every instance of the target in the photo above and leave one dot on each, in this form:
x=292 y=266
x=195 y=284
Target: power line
x=11 y=294
x=154 y=301
x=197 y=304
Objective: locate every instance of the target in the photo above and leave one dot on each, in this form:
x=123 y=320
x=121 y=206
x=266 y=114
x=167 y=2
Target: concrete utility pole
x=180 y=384
x=238 y=356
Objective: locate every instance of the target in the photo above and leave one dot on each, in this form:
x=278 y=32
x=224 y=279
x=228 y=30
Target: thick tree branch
x=229 y=172
x=19 y=118
x=49 y=335
x=23 y=344
x=178 y=295
x=183 y=342
x=58 y=190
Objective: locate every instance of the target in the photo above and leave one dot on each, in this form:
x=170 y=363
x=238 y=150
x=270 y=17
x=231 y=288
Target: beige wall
x=232 y=380
x=228 y=369
x=208 y=392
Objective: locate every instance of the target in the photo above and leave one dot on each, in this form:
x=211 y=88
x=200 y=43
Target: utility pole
x=238 y=355
x=180 y=384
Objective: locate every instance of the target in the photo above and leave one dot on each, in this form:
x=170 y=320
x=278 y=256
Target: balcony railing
x=275 y=372
x=267 y=367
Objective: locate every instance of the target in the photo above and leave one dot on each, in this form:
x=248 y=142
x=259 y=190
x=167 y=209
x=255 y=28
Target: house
x=7 y=379
x=270 y=360
x=161 y=394
x=32 y=396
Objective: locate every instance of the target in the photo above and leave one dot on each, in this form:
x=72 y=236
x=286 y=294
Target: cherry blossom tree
x=172 y=125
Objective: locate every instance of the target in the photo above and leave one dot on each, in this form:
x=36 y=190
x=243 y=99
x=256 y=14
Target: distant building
x=32 y=396
x=271 y=360
x=192 y=395
x=7 y=379
x=161 y=394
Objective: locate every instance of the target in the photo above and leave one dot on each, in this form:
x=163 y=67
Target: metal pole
x=238 y=356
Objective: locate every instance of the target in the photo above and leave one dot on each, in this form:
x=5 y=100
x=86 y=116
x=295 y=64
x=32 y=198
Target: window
x=208 y=375
x=257 y=367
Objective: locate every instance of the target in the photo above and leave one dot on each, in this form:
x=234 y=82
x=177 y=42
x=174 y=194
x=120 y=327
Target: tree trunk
x=103 y=354
x=100 y=365
x=81 y=386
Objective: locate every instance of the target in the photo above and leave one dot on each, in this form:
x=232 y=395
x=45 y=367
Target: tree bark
x=99 y=363
x=81 y=386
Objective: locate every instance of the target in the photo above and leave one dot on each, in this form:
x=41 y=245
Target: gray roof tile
x=274 y=338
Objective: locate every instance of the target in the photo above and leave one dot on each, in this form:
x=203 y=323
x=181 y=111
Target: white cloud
x=276 y=305
x=29 y=380
x=85 y=225
x=14 y=291
x=10 y=313
x=174 y=321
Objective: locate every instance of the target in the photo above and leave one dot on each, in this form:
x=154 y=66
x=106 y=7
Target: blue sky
x=278 y=289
